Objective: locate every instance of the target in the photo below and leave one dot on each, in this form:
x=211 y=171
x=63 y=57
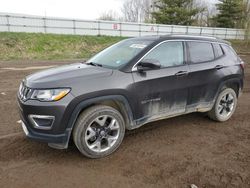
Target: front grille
x=24 y=92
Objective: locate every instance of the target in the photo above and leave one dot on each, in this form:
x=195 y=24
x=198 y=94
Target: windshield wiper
x=94 y=64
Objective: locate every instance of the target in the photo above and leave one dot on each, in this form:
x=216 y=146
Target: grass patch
x=38 y=46
x=241 y=46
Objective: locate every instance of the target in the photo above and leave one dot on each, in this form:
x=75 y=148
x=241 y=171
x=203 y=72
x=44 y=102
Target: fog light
x=42 y=121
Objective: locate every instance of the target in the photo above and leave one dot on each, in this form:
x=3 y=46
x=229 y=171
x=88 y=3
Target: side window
x=200 y=52
x=230 y=52
x=168 y=54
x=217 y=50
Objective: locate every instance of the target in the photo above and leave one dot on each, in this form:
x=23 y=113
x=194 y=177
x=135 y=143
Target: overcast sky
x=84 y=9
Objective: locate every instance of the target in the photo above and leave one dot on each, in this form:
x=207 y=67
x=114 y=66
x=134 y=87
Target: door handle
x=218 y=67
x=181 y=73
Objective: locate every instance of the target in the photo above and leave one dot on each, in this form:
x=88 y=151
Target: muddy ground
x=177 y=152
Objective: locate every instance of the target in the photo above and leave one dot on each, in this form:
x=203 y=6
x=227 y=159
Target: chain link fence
x=37 y=24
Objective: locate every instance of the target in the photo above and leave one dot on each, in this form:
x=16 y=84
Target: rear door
x=162 y=91
x=205 y=73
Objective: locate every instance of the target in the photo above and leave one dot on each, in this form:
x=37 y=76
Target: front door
x=162 y=92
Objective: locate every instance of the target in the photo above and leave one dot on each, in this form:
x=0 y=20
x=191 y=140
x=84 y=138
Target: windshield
x=119 y=54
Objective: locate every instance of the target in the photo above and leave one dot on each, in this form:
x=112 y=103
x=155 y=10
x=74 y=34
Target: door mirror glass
x=148 y=64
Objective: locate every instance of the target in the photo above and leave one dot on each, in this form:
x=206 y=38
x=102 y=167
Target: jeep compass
x=127 y=85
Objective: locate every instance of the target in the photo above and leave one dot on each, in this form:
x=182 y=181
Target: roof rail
x=197 y=36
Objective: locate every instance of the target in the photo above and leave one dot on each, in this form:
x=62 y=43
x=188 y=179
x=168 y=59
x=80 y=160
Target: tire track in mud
x=10 y=135
x=26 y=68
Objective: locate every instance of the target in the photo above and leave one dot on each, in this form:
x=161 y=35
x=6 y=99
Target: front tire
x=99 y=131
x=224 y=106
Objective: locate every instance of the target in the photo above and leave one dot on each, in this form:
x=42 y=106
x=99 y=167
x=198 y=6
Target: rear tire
x=99 y=131
x=224 y=105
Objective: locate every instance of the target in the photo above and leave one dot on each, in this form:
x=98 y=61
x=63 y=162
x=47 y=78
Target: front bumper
x=58 y=135
x=55 y=141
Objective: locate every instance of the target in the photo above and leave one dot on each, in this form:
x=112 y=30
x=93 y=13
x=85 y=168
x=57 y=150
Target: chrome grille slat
x=24 y=92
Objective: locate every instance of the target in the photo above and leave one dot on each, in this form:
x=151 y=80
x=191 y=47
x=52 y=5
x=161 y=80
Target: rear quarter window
x=200 y=52
x=218 y=50
x=230 y=52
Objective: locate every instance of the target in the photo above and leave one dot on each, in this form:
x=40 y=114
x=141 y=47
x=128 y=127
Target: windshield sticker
x=138 y=46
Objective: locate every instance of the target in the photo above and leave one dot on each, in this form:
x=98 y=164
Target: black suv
x=131 y=83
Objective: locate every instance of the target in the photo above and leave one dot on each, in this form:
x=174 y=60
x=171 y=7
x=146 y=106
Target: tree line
x=215 y=13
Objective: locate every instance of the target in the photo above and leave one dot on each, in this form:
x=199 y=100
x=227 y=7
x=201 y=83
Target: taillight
x=242 y=64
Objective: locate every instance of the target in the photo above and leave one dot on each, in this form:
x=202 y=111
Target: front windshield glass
x=120 y=53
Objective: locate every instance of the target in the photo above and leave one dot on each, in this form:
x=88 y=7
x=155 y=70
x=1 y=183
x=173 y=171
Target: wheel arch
x=119 y=102
x=234 y=83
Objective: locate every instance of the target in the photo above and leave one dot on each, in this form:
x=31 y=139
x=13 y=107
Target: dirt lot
x=177 y=152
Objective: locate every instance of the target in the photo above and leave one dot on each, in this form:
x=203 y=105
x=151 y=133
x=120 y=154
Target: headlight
x=49 y=94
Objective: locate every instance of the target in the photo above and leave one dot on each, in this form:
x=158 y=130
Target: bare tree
x=246 y=18
x=208 y=10
x=137 y=10
x=246 y=12
x=109 y=16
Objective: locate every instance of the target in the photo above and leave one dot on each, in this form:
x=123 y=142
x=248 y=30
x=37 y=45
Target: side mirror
x=148 y=64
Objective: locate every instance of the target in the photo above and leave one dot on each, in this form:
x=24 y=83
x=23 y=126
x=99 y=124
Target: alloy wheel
x=102 y=133
x=226 y=105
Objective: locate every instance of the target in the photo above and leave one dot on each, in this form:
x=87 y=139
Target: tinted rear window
x=217 y=50
x=200 y=52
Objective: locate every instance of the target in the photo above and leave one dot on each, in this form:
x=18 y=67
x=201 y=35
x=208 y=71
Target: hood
x=64 y=76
